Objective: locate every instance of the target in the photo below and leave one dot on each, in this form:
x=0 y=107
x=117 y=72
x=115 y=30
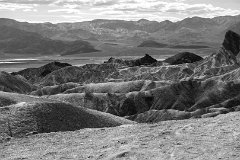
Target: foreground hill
x=210 y=138
x=22 y=114
x=16 y=41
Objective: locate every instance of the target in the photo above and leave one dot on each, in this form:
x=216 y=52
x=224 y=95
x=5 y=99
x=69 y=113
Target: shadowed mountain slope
x=16 y=41
x=184 y=57
x=232 y=42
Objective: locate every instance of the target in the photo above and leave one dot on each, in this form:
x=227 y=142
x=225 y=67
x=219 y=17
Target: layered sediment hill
x=21 y=115
x=141 y=90
x=34 y=75
x=10 y=83
x=204 y=88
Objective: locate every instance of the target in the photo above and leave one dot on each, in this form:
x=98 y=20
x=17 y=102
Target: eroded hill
x=60 y=97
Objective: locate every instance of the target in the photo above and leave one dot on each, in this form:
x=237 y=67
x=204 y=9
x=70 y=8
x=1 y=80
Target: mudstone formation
x=61 y=97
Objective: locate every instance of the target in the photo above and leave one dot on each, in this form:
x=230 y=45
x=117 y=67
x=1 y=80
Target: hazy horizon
x=114 y=20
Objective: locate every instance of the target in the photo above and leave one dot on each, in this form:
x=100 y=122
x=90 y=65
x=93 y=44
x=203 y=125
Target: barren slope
x=211 y=138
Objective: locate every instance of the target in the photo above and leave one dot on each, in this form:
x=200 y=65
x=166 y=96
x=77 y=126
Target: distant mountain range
x=82 y=37
x=16 y=41
x=190 y=30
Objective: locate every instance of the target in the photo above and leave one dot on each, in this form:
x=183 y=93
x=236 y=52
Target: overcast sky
x=81 y=10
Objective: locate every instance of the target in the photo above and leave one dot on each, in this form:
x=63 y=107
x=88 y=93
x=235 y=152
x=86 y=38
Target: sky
x=57 y=11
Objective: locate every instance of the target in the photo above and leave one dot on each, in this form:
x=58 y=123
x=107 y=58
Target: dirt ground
x=210 y=138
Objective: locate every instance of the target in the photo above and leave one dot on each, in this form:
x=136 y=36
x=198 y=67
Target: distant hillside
x=151 y=43
x=16 y=41
x=154 y=44
x=188 y=31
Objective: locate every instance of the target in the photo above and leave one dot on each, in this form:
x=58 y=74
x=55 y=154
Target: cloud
x=89 y=3
x=205 y=10
x=13 y=7
x=40 y=2
x=66 y=10
x=156 y=7
x=121 y=9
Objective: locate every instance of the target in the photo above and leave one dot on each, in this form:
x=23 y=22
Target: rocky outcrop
x=146 y=60
x=184 y=57
x=232 y=42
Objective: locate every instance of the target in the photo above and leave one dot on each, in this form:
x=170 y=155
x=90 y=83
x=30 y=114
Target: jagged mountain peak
x=232 y=42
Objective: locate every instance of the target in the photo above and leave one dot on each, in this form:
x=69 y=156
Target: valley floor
x=209 y=138
x=13 y=64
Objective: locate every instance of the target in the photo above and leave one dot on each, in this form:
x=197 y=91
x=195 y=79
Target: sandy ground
x=211 y=138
